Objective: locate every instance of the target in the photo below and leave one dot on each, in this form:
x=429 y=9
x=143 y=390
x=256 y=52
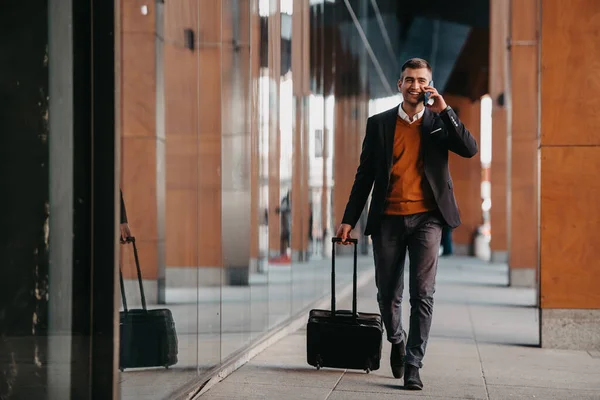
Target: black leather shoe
x=412 y=381
x=397 y=359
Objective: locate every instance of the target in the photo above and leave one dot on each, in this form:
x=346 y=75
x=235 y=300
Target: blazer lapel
x=389 y=131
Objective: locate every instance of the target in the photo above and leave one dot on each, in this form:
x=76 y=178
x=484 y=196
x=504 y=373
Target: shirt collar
x=402 y=114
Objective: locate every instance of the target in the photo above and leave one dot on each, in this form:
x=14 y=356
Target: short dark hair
x=415 y=63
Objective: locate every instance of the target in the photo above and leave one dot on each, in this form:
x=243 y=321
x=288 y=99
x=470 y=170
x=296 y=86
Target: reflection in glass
x=239 y=167
x=280 y=168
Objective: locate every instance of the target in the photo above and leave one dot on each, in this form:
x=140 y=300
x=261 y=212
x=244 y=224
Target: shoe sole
x=399 y=374
x=413 y=386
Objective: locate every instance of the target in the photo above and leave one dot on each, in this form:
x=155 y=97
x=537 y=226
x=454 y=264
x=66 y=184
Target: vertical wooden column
x=211 y=28
x=466 y=175
x=570 y=164
x=523 y=241
x=330 y=39
x=193 y=132
x=139 y=140
x=274 y=21
x=181 y=127
x=300 y=71
x=499 y=33
x=342 y=173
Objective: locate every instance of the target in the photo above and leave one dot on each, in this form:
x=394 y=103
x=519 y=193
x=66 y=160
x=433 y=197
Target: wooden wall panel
x=571 y=73
x=212 y=111
x=182 y=227
x=274 y=66
x=499 y=181
x=181 y=128
x=524 y=205
x=466 y=173
x=210 y=17
x=139 y=86
x=523 y=240
x=300 y=180
x=178 y=16
x=570 y=272
x=139 y=193
x=132 y=18
x=524 y=17
x=344 y=166
x=499 y=32
x=181 y=92
x=570 y=155
x=138 y=135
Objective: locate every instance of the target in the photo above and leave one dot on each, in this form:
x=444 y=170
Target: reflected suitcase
x=148 y=337
x=342 y=338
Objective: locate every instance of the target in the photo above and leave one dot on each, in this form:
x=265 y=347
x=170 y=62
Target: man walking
x=404 y=159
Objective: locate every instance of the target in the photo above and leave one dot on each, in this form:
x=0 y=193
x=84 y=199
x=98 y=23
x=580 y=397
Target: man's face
x=412 y=83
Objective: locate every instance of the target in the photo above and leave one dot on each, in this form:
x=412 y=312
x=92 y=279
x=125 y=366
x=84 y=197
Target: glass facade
x=233 y=129
x=238 y=116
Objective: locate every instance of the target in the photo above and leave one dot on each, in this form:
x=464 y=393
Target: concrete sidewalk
x=483 y=345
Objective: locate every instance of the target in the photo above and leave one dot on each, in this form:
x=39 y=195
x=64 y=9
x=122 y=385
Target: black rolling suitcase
x=342 y=338
x=148 y=337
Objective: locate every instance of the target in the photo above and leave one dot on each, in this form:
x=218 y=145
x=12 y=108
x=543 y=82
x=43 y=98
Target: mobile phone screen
x=427 y=94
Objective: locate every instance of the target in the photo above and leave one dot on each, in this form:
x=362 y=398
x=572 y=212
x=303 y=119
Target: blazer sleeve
x=460 y=140
x=365 y=176
x=123 y=211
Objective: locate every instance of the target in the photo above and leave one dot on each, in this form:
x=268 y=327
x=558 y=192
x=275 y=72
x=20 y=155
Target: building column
x=301 y=89
x=274 y=66
x=193 y=137
x=235 y=140
x=569 y=185
x=498 y=82
x=523 y=240
x=466 y=176
x=141 y=147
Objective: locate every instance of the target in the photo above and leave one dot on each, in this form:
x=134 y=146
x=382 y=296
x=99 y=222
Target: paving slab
x=483 y=345
x=499 y=392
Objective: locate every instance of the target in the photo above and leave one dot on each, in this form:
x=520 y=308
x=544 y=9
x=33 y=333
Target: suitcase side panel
x=342 y=345
x=148 y=339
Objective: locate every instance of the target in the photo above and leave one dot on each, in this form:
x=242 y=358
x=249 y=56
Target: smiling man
x=404 y=160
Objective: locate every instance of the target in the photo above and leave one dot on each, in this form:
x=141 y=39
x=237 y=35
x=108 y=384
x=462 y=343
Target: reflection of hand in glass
x=125 y=232
x=124 y=227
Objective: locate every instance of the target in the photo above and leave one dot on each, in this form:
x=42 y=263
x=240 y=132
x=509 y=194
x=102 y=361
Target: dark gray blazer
x=440 y=133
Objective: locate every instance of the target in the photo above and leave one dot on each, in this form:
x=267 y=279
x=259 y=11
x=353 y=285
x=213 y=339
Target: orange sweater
x=409 y=192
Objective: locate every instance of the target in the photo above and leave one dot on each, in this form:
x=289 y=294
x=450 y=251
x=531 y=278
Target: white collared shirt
x=402 y=114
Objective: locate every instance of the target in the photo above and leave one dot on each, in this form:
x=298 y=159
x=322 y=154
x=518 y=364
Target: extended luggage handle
x=131 y=240
x=336 y=240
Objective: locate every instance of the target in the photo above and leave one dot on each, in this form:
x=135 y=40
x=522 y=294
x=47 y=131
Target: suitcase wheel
x=367 y=370
x=319 y=361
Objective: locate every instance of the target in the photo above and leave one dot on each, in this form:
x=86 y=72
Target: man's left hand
x=439 y=104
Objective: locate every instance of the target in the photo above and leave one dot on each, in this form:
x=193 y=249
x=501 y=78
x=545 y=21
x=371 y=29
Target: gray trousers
x=420 y=234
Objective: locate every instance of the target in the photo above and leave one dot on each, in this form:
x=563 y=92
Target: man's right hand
x=343 y=233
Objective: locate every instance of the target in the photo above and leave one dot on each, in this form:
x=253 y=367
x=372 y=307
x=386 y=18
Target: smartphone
x=427 y=94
